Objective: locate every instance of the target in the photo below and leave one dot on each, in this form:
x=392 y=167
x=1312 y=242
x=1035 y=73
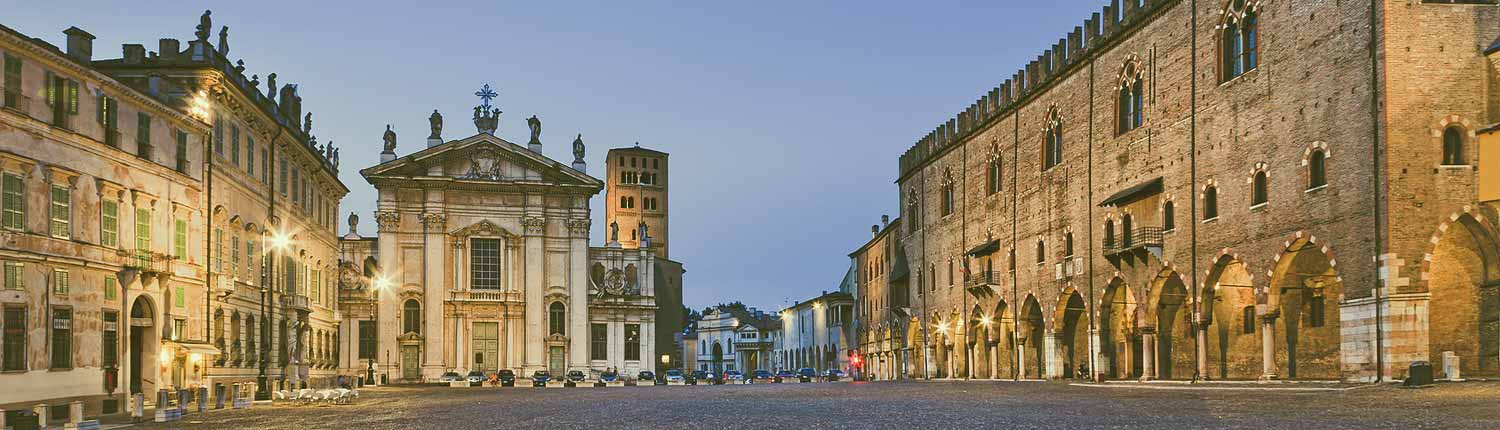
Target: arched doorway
x=1234 y=347
x=1003 y=337
x=143 y=346
x=1464 y=312
x=914 y=353
x=1073 y=343
x=1119 y=345
x=1175 y=353
x=718 y=357
x=1033 y=329
x=1306 y=290
x=977 y=343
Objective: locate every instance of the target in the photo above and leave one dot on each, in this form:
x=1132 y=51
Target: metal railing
x=147 y=261
x=1140 y=237
x=296 y=302
x=484 y=296
x=980 y=279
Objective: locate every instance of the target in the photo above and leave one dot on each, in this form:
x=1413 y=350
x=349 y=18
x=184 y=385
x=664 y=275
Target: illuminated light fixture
x=165 y=356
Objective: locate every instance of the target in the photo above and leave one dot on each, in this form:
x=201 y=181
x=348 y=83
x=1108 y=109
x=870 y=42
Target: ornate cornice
x=387 y=220
x=534 y=225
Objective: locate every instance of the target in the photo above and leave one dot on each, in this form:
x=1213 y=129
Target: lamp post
x=277 y=243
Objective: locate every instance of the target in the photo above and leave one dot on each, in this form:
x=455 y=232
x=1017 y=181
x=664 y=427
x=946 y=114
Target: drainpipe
x=1377 y=179
x=1197 y=294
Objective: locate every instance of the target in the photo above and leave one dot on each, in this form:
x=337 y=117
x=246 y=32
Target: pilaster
x=533 y=229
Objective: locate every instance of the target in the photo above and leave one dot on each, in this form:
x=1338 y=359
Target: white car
x=674 y=375
x=450 y=377
x=476 y=378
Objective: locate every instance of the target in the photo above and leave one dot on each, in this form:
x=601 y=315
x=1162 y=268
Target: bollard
x=182 y=400
x=41 y=414
x=75 y=412
x=202 y=399
x=1450 y=366
x=137 y=405
x=162 y=399
x=2 y=418
x=219 y=396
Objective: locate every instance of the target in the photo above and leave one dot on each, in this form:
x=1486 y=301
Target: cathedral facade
x=482 y=262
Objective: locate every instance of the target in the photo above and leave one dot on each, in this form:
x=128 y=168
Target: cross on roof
x=485 y=94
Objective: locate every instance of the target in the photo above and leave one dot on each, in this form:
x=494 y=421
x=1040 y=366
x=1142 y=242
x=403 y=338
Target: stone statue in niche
x=436 y=122
x=205 y=24
x=578 y=149
x=536 y=130
x=390 y=140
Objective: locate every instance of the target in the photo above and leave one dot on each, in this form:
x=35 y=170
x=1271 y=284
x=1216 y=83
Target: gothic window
x=1210 y=203
x=1068 y=244
x=1239 y=37
x=1129 y=108
x=557 y=317
x=411 y=317
x=1317 y=169
x=1248 y=320
x=1127 y=225
x=1258 y=195
x=1168 y=216
x=484 y=264
x=1453 y=147
x=913 y=213
x=1109 y=233
x=1053 y=141
x=996 y=174
x=947 y=193
x=1041 y=252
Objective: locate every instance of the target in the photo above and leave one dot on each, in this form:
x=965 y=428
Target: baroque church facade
x=482 y=262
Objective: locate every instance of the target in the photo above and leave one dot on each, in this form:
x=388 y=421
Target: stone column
x=75 y=412
x=994 y=361
x=536 y=312
x=1268 y=346
x=1148 y=353
x=578 y=295
x=1201 y=329
x=1052 y=368
x=434 y=293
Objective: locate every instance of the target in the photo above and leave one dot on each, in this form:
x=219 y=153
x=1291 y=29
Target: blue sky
x=784 y=118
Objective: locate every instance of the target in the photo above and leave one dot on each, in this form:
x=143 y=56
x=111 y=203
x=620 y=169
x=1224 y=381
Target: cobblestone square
x=904 y=405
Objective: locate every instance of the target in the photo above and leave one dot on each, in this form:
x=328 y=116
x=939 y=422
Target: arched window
x=1210 y=203
x=557 y=317
x=1131 y=104
x=1239 y=39
x=1127 y=224
x=1317 y=170
x=947 y=193
x=1168 y=216
x=1052 y=146
x=1258 y=189
x=411 y=317
x=996 y=172
x=1068 y=244
x=1109 y=233
x=913 y=213
x=1453 y=147
x=1041 y=251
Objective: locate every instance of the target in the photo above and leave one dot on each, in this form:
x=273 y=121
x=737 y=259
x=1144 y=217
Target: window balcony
x=296 y=303
x=1131 y=242
x=147 y=262
x=983 y=279
x=489 y=296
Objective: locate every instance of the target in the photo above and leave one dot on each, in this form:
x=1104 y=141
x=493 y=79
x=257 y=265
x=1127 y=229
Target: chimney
x=169 y=48
x=80 y=44
x=874 y=230
x=885 y=220
x=135 y=53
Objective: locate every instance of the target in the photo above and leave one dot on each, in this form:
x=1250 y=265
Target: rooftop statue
x=578 y=148
x=224 y=41
x=205 y=24
x=390 y=140
x=536 y=130
x=436 y=122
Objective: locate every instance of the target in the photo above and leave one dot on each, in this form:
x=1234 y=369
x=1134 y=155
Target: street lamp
x=278 y=241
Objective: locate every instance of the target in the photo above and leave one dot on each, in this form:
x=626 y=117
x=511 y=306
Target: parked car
x=646 y=376
x=833 y=374
x=476 y=378
x=675 y=375
x=807 y=374
x=540 y=378
x=761 y=377
x=785 y=375
x=450 y=377
x=576 y=376
x=733 y=377
x=507 y=378
x=609 y=376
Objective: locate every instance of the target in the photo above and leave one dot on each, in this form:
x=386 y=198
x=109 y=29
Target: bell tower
x=636 y=198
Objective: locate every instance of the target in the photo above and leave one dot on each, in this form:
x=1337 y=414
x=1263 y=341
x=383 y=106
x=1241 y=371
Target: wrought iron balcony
x=980 y=279
x=147 y=262
x=296 y=303
x=1137 y=239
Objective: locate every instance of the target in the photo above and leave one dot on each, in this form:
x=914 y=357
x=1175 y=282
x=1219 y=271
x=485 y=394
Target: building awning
x=986 y=248
x=1135 y=192
x=203 y=348
x=902 y=313
x=899 y=271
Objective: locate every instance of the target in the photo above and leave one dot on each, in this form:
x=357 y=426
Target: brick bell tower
x=636 y=199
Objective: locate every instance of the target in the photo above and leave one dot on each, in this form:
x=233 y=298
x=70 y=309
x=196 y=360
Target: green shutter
x=179 y=239
x=14 y=205
x=73 y=97
x=143 y=229
x=61 y=213
x=109 y=225
x=13 y=279
x=110 y=287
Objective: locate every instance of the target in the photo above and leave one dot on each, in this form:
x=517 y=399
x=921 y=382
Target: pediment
x=481 y=158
